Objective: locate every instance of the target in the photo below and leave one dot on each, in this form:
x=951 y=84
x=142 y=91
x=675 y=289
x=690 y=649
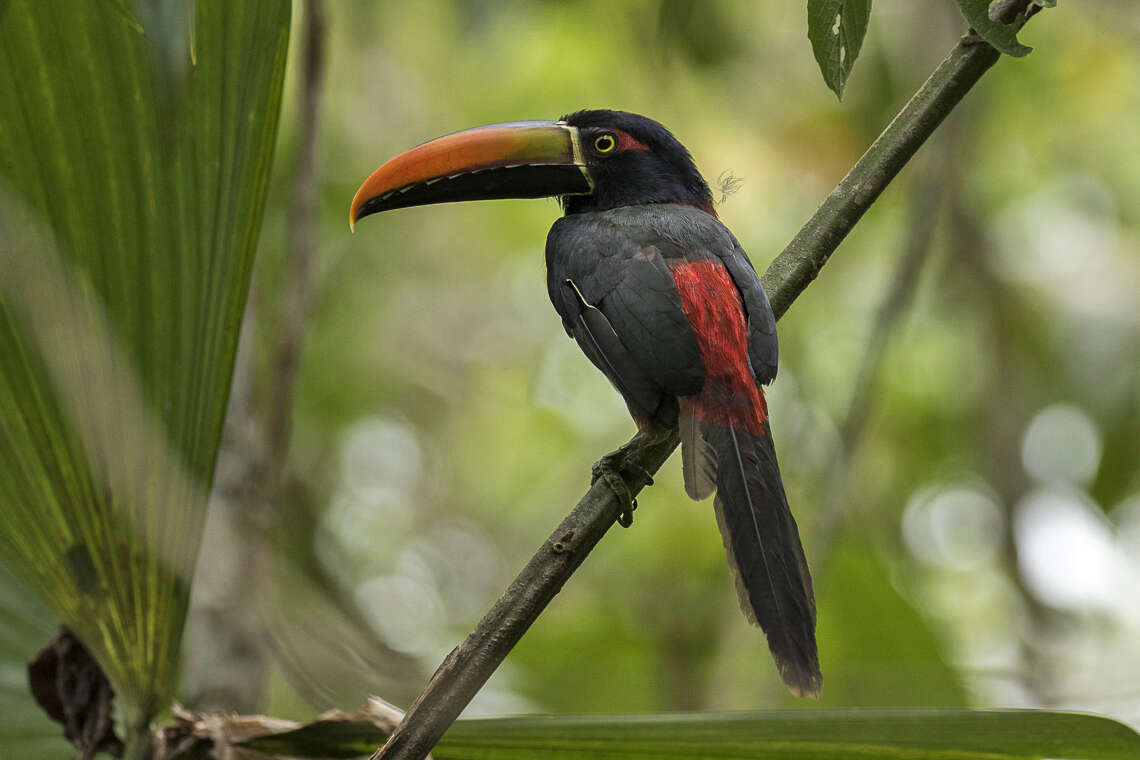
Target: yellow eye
x=605 y=143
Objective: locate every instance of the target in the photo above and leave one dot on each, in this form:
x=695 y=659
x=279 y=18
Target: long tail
x=735 y=451
x=726 y=444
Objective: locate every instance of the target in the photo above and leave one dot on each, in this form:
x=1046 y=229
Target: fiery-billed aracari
x=663 y=300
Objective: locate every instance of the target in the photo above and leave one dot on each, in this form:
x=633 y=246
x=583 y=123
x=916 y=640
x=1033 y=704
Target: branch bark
x=465 y=670
x=300 y=285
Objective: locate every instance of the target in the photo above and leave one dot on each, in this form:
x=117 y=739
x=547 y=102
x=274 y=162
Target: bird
x=662 y=298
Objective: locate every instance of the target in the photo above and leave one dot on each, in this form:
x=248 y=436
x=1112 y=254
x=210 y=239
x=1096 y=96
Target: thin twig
x=244 y=504
x=467 y=668
x=300 y=282
x=1005 y=407
x=801 y=260
x=924 y=213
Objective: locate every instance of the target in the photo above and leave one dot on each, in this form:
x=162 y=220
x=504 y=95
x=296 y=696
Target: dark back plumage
x=662 y=298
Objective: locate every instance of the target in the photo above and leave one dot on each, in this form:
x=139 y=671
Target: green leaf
x=798 y=735
x=135 y=146
x=836 y=29
x=1001 y=36
x=333 y=739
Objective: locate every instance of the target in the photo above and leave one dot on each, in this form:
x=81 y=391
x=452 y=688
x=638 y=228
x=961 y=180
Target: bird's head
x=590 y=160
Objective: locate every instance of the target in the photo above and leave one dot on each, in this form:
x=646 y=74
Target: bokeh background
x=973 y=519
x=957 y=411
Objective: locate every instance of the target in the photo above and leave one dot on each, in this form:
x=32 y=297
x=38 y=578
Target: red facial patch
x=712 y=305
x=626 y=141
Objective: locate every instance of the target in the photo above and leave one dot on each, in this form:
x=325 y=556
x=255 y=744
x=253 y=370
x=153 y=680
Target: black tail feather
x=764 y=551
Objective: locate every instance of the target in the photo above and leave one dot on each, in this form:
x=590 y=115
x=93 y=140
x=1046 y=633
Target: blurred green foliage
x=450 y=422
x=989 y=509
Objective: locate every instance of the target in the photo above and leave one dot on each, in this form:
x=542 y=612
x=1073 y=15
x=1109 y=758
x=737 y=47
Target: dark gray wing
x=620 y=271
x=600 y=343
x=645 y=309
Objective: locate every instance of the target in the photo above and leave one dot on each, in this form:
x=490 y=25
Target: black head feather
x=663 y=172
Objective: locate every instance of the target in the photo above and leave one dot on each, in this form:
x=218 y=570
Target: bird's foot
x=610 y=468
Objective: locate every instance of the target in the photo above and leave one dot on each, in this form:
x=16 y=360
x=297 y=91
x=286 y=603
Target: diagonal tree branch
x=465 y=670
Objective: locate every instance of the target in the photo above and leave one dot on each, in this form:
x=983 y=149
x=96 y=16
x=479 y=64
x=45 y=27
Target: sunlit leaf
x=135 y=144
x=836 y=29
x=1001 y=36
x=808 y=735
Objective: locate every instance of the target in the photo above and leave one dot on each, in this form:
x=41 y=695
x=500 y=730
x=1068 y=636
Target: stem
x=300 y=281
x=469 y=665
x=139 y=740
x=835 y=507
x=246 y=501
x=801 y=260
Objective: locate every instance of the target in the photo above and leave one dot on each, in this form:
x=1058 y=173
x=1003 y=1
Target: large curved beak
x=525 y=159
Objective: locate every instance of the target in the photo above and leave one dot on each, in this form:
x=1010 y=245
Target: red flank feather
x=712 y=305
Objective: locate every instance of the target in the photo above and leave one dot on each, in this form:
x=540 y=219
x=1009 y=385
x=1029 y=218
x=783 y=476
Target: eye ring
x=605 y=143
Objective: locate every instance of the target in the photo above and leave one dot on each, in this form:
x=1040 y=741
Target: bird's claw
x=625 y=517
x=605 y=469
